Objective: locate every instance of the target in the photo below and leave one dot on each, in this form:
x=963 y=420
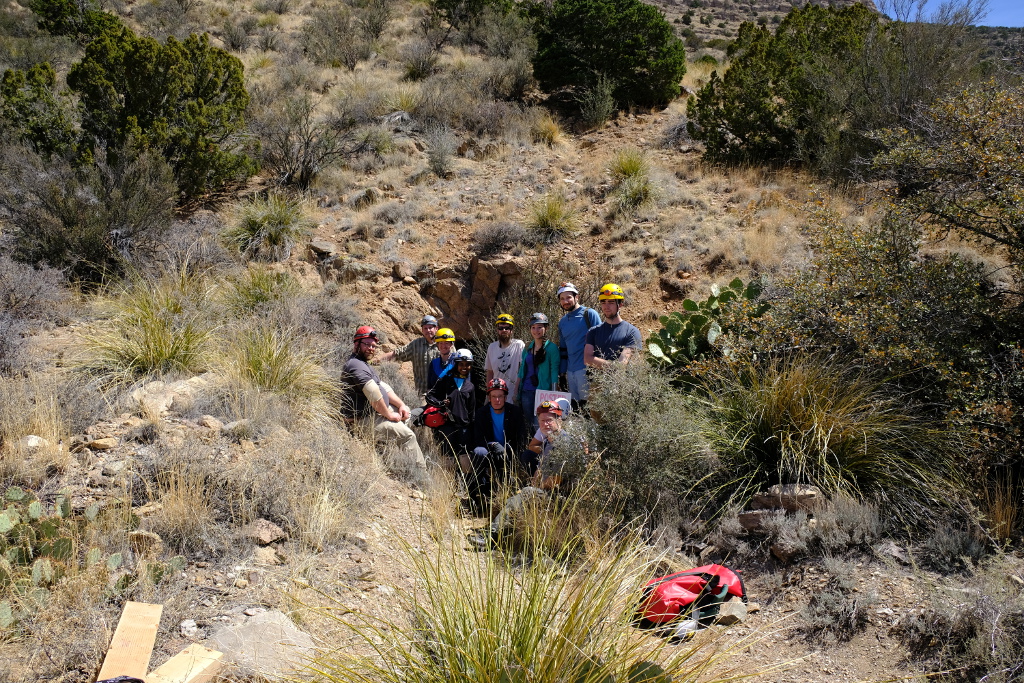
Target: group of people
x=512 y=432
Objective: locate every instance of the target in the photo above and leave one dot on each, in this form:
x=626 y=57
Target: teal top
x=547 y=372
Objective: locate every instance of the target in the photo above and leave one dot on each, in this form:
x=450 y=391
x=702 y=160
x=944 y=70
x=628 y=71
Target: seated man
x=498 y=435
x=455 y=391
x=367 y=398
x=561 y=454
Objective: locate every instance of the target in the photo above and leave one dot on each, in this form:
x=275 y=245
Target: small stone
x=264 y=532
x=241 y=583
x=753 y=607
x=417 y=495
x=96 y=478
x=253 y=611
x=112 y=469
x=752 y=520
x=731 y=612
x=267 y=556
x=409 y=281
x=32 y=442
x=1016 y=579
x=104 y=444
x=210 y=422
x=189 y=628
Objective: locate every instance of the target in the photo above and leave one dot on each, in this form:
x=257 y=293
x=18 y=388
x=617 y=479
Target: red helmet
x=497 y=383
x=550 y=407
x=365 y=332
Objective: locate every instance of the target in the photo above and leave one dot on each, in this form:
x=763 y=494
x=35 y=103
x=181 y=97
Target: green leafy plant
x=691 y=334
x=627 y=41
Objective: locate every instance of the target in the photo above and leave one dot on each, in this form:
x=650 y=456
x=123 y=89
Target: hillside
x=174 y=420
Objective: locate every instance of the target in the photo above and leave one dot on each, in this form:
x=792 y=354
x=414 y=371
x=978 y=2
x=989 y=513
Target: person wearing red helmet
x=456 y=392
x=367 y=397
x=499 y=434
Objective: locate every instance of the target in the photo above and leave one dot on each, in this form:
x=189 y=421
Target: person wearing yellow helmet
x=442 y=365
x=504 y=355
x=614 y=340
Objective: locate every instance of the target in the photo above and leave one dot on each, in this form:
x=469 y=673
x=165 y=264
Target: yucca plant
x=266 y=228
x=809 y=420
x=484 y=620
x=273 y=360
x=155 y=327
x=552 y=218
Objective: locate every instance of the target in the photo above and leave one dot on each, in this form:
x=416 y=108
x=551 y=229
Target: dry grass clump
x=277 y=361
x=266 y=228
x=552 y=219
x=545 y=130
x=482 y=620
x=155 y=326
x=258 y=290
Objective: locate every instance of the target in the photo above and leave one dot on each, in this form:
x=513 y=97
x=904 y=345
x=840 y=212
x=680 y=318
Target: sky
x=1000 y=12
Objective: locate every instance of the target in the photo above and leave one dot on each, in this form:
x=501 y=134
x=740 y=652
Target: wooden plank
x=132 y=644
x=194 y=664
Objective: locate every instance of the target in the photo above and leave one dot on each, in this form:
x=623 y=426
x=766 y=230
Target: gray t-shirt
x=504 y=363
x=609 y=340
x=355 y=374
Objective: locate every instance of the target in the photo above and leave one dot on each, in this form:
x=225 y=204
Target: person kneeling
x=499 y=433
x=456 y=393
x=548 y=470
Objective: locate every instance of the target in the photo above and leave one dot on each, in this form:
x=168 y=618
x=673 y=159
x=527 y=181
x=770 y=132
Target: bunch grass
x=552 y=219
x=485 y=620
x=266 y=228
x=818 y=421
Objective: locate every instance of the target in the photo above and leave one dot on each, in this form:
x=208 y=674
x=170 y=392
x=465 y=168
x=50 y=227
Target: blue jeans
x=529 y=397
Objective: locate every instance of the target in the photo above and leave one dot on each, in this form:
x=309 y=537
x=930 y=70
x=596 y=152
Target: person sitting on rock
x=499 y=435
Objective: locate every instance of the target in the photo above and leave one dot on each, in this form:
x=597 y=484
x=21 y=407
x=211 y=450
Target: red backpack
x=434 y=417
x=694 y=594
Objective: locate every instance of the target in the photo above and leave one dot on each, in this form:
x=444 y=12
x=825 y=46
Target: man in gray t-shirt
x=614 y=340
x=505 y=355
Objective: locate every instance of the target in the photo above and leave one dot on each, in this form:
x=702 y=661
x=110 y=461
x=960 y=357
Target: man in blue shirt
x=499 y=434
x=572 y=336
x=614 y=340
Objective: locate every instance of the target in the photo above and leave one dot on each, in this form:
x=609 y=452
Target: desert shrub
x=441 y=146
x=631 y=173
x=373 y=17
x=301 y=133
x=276 y=361
x=82 y=21
x=648 y=439
x=273 y=6
x=258 y=291
x=480 y=620
x=545 y=129
x=266 y=228
x=952 y=548
x=155 y=327
x=977 y=634
x=835 y=614
x=185 y=99
x=629 y=42
x=163 y=18
x=91 y=222
x=808 y=420
x=497 y=237
x=859 y=73
x=419 y=59
x=236 y=36
x=597 y=102
x=552 y=219
x=13 y=356
x=33 y=110
x=331 y=37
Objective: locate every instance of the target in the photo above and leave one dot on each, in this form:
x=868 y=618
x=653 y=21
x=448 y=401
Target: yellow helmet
x=505 y=319
x=611 y=292
x=444 y=334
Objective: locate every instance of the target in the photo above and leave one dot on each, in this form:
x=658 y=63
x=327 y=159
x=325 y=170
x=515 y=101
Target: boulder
x=752 y=520
x=790 y=497
x=264 y=532
x=32 y=442
x=402 y=270
x=348 y=270
x=268 y=645
x=104 y=444
x=210 y=422
x=320 y=250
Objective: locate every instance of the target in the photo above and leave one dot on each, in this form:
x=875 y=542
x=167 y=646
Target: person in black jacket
x=499 y=434
x=455 y=390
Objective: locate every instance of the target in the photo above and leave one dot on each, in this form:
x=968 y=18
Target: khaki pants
x=401 y=434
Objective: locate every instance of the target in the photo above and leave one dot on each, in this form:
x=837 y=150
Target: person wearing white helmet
x=456 y=392
x=572 y=338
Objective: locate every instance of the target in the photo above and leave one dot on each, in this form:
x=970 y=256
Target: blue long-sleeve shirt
x=572 y=337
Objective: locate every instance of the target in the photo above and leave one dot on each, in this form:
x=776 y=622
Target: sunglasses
x=504 y=327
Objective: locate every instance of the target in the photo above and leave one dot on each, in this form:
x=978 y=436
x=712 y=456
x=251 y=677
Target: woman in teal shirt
x=539 y=369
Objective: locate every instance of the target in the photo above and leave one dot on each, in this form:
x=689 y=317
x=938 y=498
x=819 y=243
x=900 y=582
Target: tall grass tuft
x=156 y=327
x=272 y=360
x=266 y=228
x=257 y=290
x=552 y=219
x=817 y=421
x=482 y=620
x=631 y=173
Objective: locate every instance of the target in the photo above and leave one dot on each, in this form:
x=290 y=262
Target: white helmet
x=463 y=354
x=568 y=287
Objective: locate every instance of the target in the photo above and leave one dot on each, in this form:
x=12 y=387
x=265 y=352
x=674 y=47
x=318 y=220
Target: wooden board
x=132 y=644
x=194 y=664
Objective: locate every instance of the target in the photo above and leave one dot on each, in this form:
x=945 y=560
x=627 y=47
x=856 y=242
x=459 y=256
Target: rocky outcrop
x=467 y=298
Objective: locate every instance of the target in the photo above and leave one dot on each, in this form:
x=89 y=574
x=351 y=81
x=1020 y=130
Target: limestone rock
x=409 y=281
x=402 y=270
x=189 y=629
x=348 y=270
x=268 y=644
x=790 y=497
x=264 y=532
x=210 y=422
x=731 y=612
x=320 y=250
x=752 y=520
x=104 y=444
x=267 y=556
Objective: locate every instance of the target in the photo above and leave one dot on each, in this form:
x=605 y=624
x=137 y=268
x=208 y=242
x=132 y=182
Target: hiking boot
x=482 y=539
